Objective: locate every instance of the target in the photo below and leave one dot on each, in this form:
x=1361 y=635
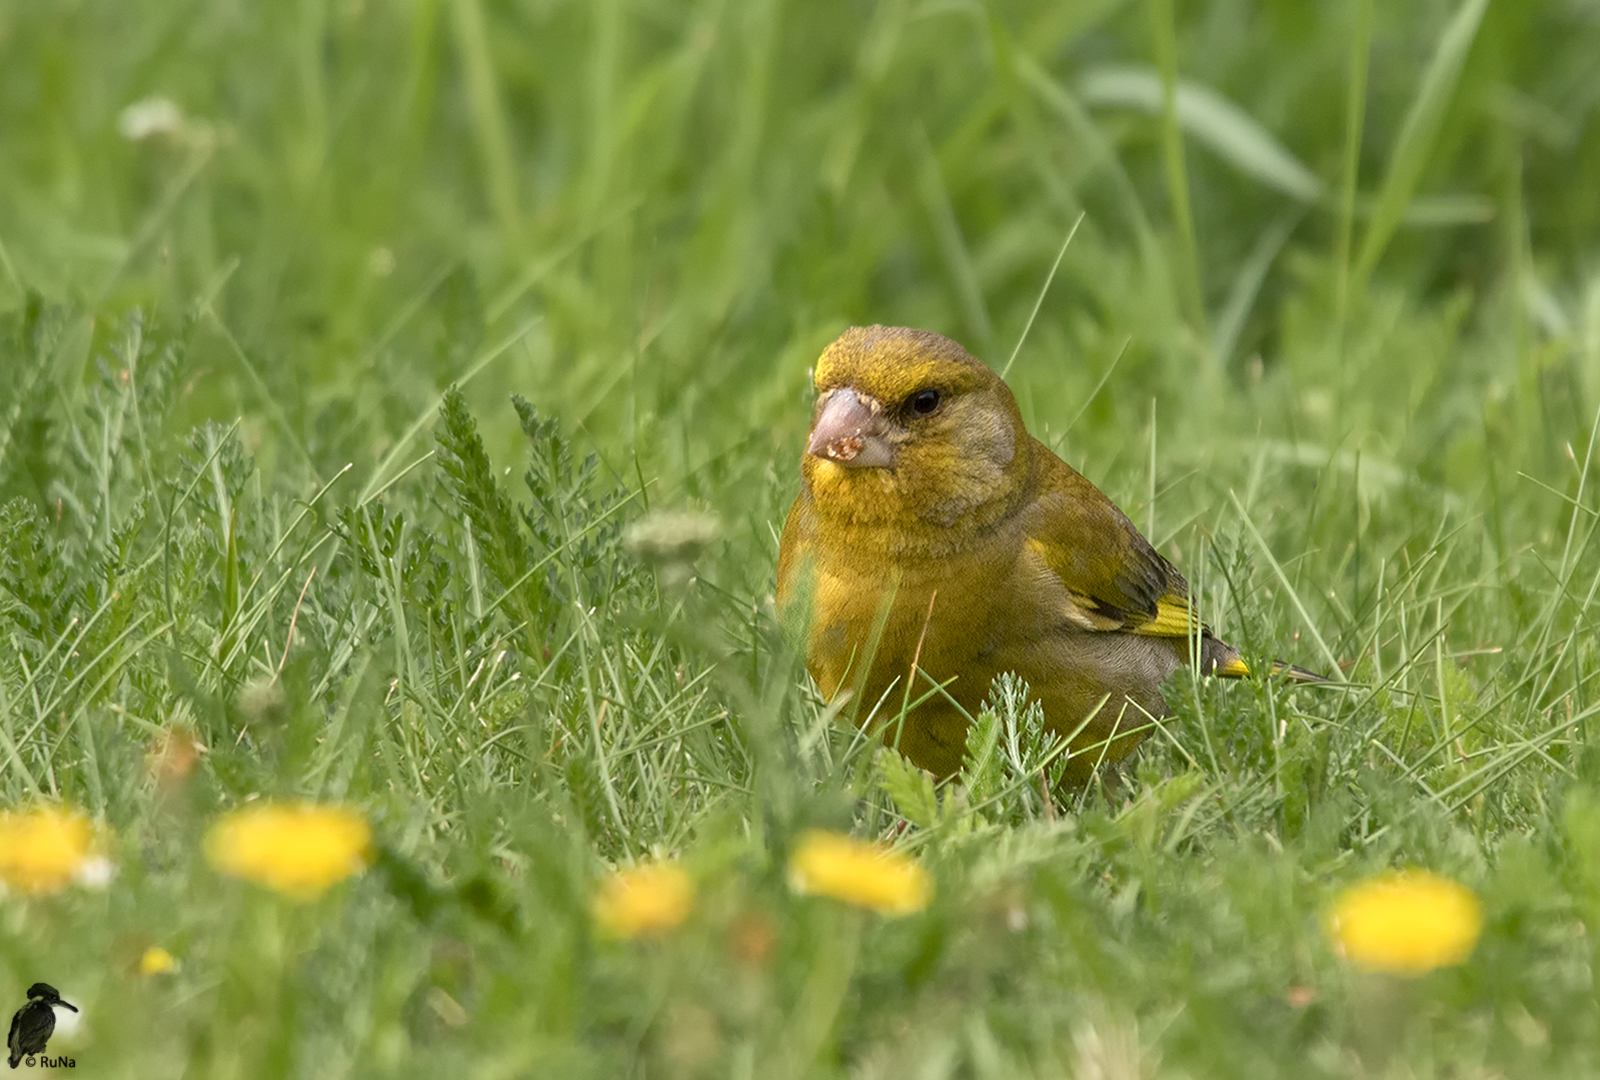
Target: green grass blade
x=1418 y=133
x=1211 y=120
x=1043 y=289
x=1355 y=112
x=1164 y=32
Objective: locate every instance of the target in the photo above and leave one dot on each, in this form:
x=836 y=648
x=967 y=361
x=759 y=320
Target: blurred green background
x=659 y=212
x=1328 y=327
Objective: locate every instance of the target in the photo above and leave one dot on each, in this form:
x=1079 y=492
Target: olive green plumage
x=931 y=529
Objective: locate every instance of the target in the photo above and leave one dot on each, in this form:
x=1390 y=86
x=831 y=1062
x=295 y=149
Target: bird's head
x=48 y=994
x=908 y=426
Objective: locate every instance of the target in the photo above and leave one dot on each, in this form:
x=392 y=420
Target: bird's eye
x=926 y=402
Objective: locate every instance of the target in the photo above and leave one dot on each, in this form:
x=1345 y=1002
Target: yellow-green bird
x=933 y=532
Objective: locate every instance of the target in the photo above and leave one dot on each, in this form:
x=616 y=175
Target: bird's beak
x=851 y=430
x=58 y=1001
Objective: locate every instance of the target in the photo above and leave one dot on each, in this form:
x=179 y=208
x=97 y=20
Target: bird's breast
x=874 y=618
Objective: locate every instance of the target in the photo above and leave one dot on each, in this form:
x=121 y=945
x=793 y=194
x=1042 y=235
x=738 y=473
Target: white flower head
x=95 y=873
x=149 y=118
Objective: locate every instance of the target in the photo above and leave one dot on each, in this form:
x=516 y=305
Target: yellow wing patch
x=1175 y=617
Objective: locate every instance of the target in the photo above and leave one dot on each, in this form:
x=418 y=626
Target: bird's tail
x=1234 y=667
x=1295 y=673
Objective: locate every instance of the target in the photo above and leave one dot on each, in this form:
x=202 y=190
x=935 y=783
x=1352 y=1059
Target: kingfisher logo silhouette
x=33 y=1025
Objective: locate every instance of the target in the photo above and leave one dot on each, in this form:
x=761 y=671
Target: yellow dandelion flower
x=860 y=873
x=43 y=848
x=1406 y=923
x=157 y=961
x=643 y=900
x=299 y=849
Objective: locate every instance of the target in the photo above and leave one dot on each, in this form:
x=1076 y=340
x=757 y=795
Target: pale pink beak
x=851 y=430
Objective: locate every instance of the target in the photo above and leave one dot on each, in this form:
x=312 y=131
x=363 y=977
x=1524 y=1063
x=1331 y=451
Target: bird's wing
x=11 y=1039
x=1114 y=580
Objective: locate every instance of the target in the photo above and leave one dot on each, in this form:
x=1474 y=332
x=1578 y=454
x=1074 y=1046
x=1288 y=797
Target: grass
x=1327 y=323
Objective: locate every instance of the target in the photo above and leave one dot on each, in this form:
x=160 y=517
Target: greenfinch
x=935 y=545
